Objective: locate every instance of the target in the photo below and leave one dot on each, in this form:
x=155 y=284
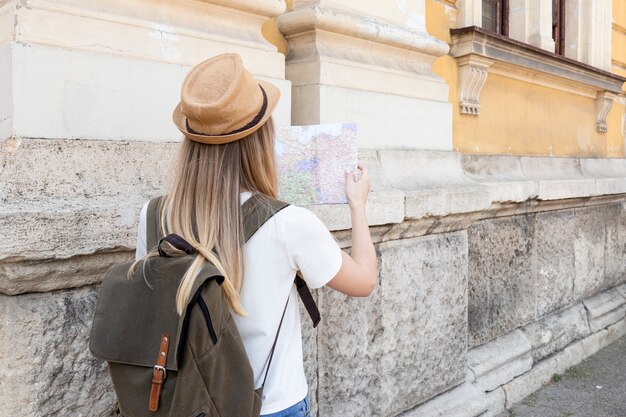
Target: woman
x=226 y=155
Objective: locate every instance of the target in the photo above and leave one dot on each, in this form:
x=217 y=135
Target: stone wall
x=474 y=307
x=522 y=268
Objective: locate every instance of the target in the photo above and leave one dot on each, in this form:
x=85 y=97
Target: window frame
x=502 y=16
x=558 y=26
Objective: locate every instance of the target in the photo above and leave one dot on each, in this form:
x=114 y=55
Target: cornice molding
x=475 y=40
x=369 y=28
x=479 y=51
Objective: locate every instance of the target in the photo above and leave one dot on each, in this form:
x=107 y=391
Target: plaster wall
x=520 y=118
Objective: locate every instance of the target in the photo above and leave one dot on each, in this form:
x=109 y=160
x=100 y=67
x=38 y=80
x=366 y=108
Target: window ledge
x=479 y=52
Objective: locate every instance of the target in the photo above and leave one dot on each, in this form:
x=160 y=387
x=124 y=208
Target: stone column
x=588 y=27
x=368 y=62
x=470 y=13
x=87 y=91
x=530 y=21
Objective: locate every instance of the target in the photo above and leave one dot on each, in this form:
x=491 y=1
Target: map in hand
x=312 y=162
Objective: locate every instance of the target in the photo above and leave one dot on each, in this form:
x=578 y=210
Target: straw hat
x=221 y=102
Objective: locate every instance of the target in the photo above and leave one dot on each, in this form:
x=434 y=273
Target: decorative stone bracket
x=604 y=102
x=479 y=51
x=472 y=77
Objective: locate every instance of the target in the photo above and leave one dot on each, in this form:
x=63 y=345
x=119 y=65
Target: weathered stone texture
x=37 y=169
x=464 y=400
x=554 y=332
x=554 y=285
x=60 y=230
x=500 y=360
x=588 y=252
x=614 y=217
x=496 y=400
x=622 y=290
x=51 y=274
x=68 y=199
x=574 y=353
x=605 y=309
x=384 y=354
x=309 y=352
x=46 y=368
x=501 y=279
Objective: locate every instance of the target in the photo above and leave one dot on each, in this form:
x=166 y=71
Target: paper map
x=312 y=161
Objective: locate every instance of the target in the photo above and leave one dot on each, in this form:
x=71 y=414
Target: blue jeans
x=301 y=409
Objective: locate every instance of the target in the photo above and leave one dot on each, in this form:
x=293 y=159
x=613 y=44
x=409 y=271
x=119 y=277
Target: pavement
x=596 y=387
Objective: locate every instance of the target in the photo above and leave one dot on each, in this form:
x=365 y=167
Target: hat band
x=253 y=122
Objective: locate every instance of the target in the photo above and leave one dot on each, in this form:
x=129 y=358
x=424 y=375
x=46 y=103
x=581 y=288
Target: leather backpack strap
x=307 y=300
x=158 y=373
x=153 y=223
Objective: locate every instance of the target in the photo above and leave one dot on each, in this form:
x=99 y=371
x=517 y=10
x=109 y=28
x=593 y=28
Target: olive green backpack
x=163 y=364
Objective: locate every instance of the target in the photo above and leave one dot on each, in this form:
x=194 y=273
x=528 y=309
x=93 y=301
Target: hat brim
x=273 y=95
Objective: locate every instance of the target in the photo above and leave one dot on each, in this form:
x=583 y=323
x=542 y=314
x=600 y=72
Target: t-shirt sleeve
x=310 y=246
x=141 y=248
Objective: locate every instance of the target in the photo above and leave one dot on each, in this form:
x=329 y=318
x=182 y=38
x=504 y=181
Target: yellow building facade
x=521 y=113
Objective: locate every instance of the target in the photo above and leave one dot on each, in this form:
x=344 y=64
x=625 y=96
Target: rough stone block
x=51 y=274
x=38 y=169
x=384 y=354
x=575 y=352
x=53 y=229
x=384 y=206
x=557 y=189
x=615 y=331
x=440 y=201
x=309 y=353
x=502 y=175
x=614 y=217
x=529 y=382
x=605 y=309
x=496 y=400
x=589 y=240
x=500 y=360
x=434 y=182
x=554 y=332
x=542 y=372
x=501 y=295
x=622 y=290
x=47 y=368
x=554 y=282
x=462 y=401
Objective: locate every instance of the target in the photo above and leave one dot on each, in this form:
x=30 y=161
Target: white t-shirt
x=293 y=239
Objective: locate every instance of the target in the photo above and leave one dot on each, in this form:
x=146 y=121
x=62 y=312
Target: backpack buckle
x=161 y=368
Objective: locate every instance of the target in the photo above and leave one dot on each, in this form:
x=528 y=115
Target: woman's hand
x=358 y=186
x=358 y=274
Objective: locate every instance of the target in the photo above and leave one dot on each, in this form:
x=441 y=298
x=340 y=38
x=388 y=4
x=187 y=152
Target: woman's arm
x=358 y=274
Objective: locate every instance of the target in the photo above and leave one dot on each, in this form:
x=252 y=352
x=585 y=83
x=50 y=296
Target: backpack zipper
x=207 y=317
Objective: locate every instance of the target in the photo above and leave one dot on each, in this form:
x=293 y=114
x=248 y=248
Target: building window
x=496 y=16
x=558 y=26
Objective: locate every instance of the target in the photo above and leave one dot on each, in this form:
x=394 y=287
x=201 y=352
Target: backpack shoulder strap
x=153 y=223
x=256 y=211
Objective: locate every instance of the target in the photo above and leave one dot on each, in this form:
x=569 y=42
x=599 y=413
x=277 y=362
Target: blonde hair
x=202 y=205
